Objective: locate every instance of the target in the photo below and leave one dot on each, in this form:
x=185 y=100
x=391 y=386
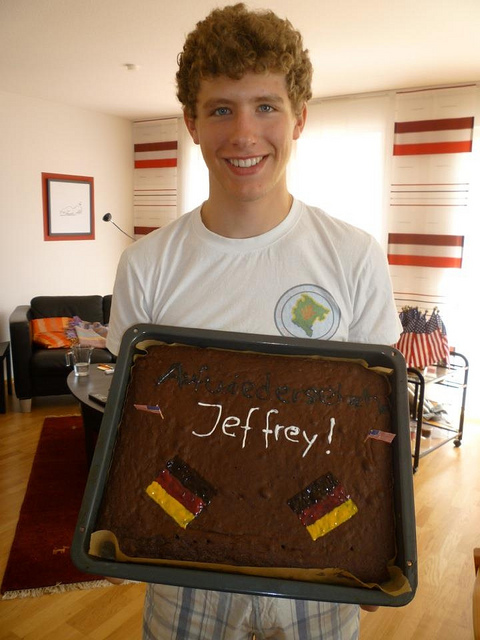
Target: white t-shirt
x=312 y=276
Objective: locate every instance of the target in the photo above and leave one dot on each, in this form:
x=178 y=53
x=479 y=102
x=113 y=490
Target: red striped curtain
x=155 y=174
x=430 y=194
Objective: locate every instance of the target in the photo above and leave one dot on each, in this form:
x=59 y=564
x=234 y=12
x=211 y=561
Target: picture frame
x=68 y=207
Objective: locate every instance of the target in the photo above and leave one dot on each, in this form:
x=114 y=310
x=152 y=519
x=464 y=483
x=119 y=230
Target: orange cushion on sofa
x=50 y=332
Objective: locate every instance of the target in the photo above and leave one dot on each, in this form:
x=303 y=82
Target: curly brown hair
x=233 y=41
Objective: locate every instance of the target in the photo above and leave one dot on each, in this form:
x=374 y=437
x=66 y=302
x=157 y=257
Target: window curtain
x=431 y=217
x=192 y=172
x=155 y=174
x=339 y=162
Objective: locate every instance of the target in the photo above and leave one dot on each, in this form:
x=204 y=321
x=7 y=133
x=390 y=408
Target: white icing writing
x=332 y=427
x=330 y=434
x=231 y=424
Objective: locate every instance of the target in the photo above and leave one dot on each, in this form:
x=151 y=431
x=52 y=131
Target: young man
x=241 y=261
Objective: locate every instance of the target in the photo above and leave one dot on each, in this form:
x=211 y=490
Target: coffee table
x=92 y=412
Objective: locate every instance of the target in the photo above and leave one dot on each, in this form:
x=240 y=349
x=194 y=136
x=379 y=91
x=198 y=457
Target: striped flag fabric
x=323 y=506
x=423 y=342
x=437 y=336
x=413 y=340
x=445 y=135
x=180 y=491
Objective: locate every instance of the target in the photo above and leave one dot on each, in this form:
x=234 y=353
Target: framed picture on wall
x=68 y=207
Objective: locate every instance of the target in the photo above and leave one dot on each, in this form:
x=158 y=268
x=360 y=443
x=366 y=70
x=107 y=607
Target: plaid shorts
x=173 y=613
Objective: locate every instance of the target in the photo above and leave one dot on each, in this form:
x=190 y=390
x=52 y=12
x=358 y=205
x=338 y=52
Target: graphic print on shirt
x=307 y=311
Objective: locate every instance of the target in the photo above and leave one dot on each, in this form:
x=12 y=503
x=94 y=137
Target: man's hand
x=369 y=607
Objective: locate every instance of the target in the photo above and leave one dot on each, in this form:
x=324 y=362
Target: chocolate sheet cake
x=254 y=460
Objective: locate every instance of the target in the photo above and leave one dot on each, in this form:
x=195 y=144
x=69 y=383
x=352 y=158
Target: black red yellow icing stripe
x=190 y=479
x=319 y=509
x=180 y=491
x=323 y=506
x=177 y=490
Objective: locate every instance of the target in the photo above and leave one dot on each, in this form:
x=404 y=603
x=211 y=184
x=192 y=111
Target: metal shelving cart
x=453 y=377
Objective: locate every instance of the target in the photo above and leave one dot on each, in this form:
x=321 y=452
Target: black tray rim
x=373 y=354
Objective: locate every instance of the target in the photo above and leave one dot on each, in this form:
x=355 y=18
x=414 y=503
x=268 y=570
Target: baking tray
x=374 y=355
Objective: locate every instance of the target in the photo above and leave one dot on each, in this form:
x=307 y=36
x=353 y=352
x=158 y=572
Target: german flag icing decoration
x=180 y=491
x=323 y=506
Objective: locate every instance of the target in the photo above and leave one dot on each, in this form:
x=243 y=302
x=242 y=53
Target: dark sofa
x=43 y=372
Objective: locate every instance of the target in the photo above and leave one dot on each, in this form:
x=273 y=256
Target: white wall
x=38 y=136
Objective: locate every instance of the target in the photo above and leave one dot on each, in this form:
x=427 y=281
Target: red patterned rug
x=39 y=560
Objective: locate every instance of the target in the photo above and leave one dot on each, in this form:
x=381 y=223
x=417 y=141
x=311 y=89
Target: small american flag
x=149 y=408
x=423 y=342
x=438 y=340
x=419 y=351
x=384 y=436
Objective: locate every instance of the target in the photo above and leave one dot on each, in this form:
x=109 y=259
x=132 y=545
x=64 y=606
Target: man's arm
x=129 y=303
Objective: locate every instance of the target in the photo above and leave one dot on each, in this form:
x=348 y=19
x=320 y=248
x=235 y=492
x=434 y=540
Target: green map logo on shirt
x=307 y=311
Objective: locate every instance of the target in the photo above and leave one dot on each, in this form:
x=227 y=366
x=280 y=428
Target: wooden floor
x=447 y=494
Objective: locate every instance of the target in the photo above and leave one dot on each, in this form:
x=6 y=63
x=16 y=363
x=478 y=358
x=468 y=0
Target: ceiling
x=75 y=51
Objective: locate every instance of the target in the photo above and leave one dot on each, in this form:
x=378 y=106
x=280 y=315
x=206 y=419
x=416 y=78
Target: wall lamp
x=108 y=218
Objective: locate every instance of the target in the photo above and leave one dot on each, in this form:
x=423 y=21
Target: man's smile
x=245 y=163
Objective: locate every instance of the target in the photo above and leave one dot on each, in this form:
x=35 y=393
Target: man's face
x=245 y=129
